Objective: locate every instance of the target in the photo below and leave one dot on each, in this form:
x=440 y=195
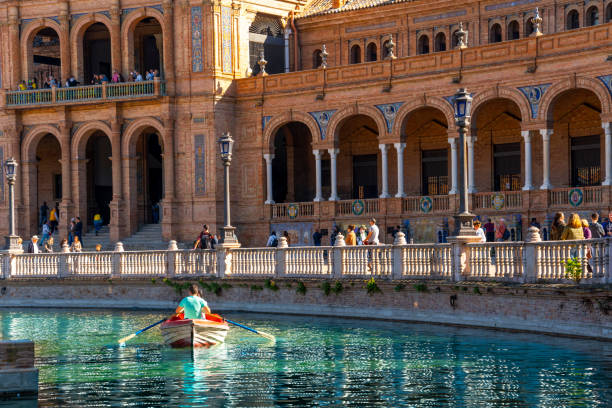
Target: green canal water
x=314 y=362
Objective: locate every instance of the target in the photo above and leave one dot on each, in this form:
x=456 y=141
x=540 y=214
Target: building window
x=385 y=49
x=423 y=46
x=371 y=52
x=266 y=34
x=316 y=59
x=434 y=167
x=529 y=27
x=586 y=168
x=495 y=34
x=572 y=20
x=365 y=176
x=513 y=30
x=507 y=167
x=592 y=16
x=355 y=54
x=454 y=39
x=440 y=43
x=609 y=13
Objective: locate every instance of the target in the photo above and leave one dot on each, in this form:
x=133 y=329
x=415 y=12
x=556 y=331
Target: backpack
x=506 y=234
x=275 y=242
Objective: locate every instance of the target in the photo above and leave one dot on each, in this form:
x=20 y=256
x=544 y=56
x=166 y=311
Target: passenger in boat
x=193 y=306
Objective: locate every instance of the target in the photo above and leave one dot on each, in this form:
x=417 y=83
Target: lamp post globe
x=463 y=107
x=226 y=147
x=12 y=240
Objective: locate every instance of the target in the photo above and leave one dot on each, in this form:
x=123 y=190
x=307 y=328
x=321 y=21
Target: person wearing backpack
x=205 y=239
x=272 y=240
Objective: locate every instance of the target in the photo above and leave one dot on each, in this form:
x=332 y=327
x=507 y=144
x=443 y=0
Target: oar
x=131 y=336
x=266 y=335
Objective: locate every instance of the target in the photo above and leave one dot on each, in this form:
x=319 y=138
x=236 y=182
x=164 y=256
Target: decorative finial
x=262 y=64
x=390 y=47
x=323 y=54
x=461 y=36
x=537 y=21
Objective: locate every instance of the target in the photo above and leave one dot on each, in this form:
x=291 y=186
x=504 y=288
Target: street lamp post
x=463 y=218
x=10 y=168
x=226 y=145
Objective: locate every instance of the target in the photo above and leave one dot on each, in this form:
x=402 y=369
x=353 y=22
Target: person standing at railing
x=286 y=235
x=597 y=230
x=33 y=245
x=573 y=229
x=351 y=238
x=137 y=76
x=49 y=245
x=22 y=86
x=272 y=240
x=76 y=245
x=489 y=229
x=557 y=227
x=149 y=75
x=116 y=78
x=78 y=229
x=607 y=226
x=502 y=234
x=479 y=231
x=372 y=238
x=316 y=237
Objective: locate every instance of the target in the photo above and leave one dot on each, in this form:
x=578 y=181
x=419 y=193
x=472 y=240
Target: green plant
x=326 y=286
x=573 y=269
x=337 y=287
x=288 y=285
x=226 y=285
x=372 y=287
x=256 y=287
x=177 y=286
x=153 y=280
x=301 y=288
x=477 y=290
x=420 y=287
x=270 y=284
x=399 y=287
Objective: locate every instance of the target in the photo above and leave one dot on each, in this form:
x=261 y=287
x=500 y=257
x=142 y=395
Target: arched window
x=385 y=50
x=316 y=59
x=529 y=27
x=371 y=52
x=148 y=45
x=440 y=43
x=495 y=34
x=592 y=16
x=423 y=47
x=454 y=39
x=513 y=30
x=266 y=34
x=44 y=59
x=355 y=54
x=572 y=21
x=609 y=13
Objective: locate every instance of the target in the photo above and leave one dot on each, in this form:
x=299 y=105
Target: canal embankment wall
x=567 y=310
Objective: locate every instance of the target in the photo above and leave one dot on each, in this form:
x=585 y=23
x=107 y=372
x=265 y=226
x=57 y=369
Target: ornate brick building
x=352 y=118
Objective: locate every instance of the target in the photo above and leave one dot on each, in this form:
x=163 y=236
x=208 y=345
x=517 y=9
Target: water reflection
x=313 y=362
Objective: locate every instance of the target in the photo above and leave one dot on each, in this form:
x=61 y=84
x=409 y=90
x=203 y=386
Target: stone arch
x=278 y=121
x=131 y=133
x=513 y=95
x=30 y=142
x=27 y=37
x=76 y=39
x=81 y=136
x=127 y=35
x=336 y=121
x=398 y=131
x=590 y=84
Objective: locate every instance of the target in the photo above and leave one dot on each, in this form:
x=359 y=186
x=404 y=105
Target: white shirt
x=480 y=232
x=46 y=230
x=374 y=236
x=35 y=248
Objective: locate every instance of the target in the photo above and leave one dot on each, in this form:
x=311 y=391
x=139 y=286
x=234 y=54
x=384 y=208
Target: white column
x=546 y=158
x=269 y=157
x=471 y=140
x=527 y=138
x=317 y=154
x=333 y=153
x=399 y=148
x=453 y=143
x=287 y=34
x=385 y=170
x=608 y=148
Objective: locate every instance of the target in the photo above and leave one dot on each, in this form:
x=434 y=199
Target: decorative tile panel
x=3 y=178
x=264 y=121
x=607 y=81
x=226 y=39
x=323 y=118
x=534 y=96
x=389 y=110
x=200 y=165
x=158 y=7
x=197 y=64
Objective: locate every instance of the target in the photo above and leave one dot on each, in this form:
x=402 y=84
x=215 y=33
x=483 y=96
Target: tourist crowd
x=97 y=79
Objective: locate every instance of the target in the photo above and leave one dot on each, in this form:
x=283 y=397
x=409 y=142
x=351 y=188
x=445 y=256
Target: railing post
x=53 y=94
x=157 y=86
x=224 y=262
x=171 y=259
x=398 y=247
x=117 y=264
x=281 y=257
x=62 y=268
x=337 y=257
x=104 y=90
x=530 y=256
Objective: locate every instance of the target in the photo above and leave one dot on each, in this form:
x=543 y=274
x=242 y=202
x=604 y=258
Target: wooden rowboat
x=207 y=332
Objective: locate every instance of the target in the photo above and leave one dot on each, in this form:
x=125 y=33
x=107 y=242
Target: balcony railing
x=498 y=200
x=79 y=94
x=575 y=196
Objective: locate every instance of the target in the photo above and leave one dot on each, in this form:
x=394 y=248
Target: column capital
x=333 y=152
x=268 y=156
x=383 y=147
x=546 y=133
x=526 y=134
x=399 y=146
x=317 y=153
x=471 y=139
x=453 y=142
x=607 y=127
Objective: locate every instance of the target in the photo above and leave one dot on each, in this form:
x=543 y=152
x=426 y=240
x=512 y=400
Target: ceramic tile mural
x=200 y=165
x=196 y=39
x=226 y=38
x=300 y=233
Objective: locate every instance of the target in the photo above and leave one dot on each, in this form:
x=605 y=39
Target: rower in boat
x=193 y=306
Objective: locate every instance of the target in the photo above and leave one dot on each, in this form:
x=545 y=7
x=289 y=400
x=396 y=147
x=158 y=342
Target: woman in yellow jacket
x=351 y=238
x=573 y=230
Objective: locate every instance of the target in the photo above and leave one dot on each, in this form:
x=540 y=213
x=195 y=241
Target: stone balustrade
x=518 y=262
